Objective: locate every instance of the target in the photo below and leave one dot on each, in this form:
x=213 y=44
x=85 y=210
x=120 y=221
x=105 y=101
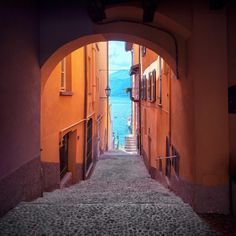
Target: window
x=175 y=161
x=168 y=161
x=160 y=81
x=145 y=122
x=89 y=80
x=143 y=88
x=65 y=83
x=64 y=155
x=63 y=74
x=149 y=86
x=153 y=86
x=136 y=89
x=89 y=156
x=141 y=92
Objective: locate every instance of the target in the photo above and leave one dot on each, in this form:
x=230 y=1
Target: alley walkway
x=119 y=199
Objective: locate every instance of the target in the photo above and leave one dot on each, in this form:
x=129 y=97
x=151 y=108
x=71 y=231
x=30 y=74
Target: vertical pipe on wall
x=169 y=76
x=85 y=110
x=139 y=103
x=107 y=99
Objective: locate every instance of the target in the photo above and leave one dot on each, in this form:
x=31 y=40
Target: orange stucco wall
x=135 y=106
x=155 y=117
x=61 y=114
x=102 y=79
x=203 y=156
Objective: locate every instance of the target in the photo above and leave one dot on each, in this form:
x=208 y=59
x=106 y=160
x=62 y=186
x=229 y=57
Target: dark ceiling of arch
x=96 y=8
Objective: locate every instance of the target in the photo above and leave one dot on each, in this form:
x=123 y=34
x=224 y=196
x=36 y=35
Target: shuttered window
x=149 y=93
x=153 y=86
x=144 y=88
x=160 y=82
x=63 y=75
x=65 y=80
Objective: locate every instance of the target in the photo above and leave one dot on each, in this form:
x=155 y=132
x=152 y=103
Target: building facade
x=166 y=144
x=74 y=116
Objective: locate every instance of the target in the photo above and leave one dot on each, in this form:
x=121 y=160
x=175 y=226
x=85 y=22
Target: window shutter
x=141 y=92
x=145 y=87
x=142 y=87
x=63 y=74
x=160 y=81
x=153 y=85
x=137 y=86
x=149 y=86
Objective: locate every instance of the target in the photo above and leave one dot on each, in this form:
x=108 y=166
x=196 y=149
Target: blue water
x=120 y=112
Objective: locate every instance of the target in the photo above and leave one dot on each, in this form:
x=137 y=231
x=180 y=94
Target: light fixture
x=107 y=91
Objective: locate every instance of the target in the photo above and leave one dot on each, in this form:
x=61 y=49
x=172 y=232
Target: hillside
x=119 y=81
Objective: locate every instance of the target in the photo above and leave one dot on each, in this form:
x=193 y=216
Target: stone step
x=120 y=198
x=131 y=150
x=103 y=219
x=130 y=143
x=131 y=146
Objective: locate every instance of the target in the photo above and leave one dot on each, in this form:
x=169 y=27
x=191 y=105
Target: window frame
x=63 y=75
x=149 y=87
x=160 y=82
x=153 y=86
x=66 y=77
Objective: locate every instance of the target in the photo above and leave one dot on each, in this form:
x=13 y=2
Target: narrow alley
x=120 y=198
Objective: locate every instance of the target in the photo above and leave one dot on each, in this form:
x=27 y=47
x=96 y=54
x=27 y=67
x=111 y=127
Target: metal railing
x=170 y=161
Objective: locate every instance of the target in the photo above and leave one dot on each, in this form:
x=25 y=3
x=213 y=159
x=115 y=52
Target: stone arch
x=123 y=23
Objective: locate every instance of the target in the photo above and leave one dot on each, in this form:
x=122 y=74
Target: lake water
x=120 y=112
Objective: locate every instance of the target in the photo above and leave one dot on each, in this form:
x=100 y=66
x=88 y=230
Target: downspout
x=129 y=90
x=139 y=104
x=170 y=107
x=85 y=112
x=130 y=95
x=107 y=98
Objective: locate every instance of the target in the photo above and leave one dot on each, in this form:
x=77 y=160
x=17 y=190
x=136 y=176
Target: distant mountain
x=119 y=81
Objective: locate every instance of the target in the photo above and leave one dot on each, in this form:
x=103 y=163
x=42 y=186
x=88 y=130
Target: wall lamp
x=108 y=91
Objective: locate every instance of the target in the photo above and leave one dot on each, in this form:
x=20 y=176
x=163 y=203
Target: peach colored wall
x=157 y=117
x=102 y=76
x=97 y=70
x=209 y=71
x=60 y=113
x=182 y=124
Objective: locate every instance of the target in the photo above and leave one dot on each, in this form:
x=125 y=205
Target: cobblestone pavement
x=120 y=198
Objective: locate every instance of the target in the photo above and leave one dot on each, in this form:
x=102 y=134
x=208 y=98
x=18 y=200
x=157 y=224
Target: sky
x=119 y=59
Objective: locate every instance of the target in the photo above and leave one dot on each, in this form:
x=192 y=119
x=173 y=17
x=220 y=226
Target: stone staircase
x=120 y=198
x=130 y=144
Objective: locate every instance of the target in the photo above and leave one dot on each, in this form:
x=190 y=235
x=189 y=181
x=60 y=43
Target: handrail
x=71 y=127
x=168 y=157
x=90 y=115
x=173 y=161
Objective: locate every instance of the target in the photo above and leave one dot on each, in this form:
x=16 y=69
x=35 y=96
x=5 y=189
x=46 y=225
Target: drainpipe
x=170 y=142
x=85 y=111
x=129 y=90
x=139 y=104
x=107 y=98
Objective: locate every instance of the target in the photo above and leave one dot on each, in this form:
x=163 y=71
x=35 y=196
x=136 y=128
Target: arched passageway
x=202 y=57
